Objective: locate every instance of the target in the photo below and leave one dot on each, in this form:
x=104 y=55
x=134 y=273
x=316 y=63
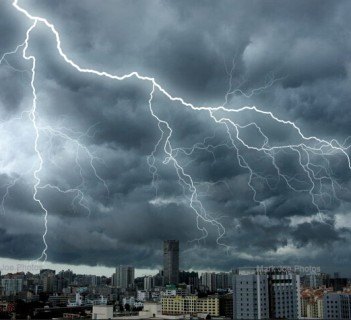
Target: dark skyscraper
x=171 y=261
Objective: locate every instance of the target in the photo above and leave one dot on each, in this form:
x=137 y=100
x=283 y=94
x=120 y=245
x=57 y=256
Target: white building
x=128 y=300
x=132 y=302
x=148 y=283
x=151 y=310
x=169 y=293
x=143 y=295
x=314 y=309
x=250 y=294
x=155 y=296
x=266 y=294
x=102 y=312
x=337 y=306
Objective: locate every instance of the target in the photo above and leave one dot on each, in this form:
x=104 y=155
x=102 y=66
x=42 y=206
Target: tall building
x=337 y=306
x=148 y=283
x=124 y=277
x=209 y=281
x=312 y=302
x=223 y=279
x=158 y=279
x=11 y=286
x=314 y=309
x=190 y=278
x=250 y=296
x=226 y=305
x=312 y=280
x=266 y=294
x=48 y=278
x=171 y=262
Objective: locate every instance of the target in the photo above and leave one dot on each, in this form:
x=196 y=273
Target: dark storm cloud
x=302 y=48
x=19 y=246
x=318 y=233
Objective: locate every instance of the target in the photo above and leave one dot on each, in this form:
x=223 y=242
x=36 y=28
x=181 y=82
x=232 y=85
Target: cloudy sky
x=232 y=135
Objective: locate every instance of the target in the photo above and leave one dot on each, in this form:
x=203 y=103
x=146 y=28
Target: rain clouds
x=101 y=146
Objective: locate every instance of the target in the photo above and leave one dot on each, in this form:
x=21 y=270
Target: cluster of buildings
x=324 y=303
x=244 y=293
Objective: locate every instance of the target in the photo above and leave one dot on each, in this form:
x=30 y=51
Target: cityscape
x=256 y=292
x=181 y=160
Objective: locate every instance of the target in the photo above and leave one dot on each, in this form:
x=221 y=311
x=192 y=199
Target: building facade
x=124 y=277
x=190 y=304
x=11 y=286
x=266 y=294
x=312 y=302
x=148 y=283
x=314 y=309
x=209 y=281
x=337 y=306
x=171 y=262
x=250 y=295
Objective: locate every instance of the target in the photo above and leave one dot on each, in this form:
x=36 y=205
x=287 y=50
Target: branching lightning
x=311 y=151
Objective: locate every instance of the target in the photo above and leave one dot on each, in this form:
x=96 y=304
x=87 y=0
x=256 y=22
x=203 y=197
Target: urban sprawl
x=260 y=292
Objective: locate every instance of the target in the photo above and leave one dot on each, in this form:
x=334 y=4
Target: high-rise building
x=337 y=306
x=190 y=278
x=47 y=277
x=266 y=294
x=250 y=296
x=226 y=305
x=314 y=309
x=68 y=275
x=312 y=280
x=148 y=283
x=312 y=303
x=11 y=286
x=208 y=280
x=223 y=279
x=158 y=279
x=124 y=277
x=171 y=262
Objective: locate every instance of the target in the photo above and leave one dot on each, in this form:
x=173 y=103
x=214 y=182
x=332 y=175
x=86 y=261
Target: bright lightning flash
x=311 y=152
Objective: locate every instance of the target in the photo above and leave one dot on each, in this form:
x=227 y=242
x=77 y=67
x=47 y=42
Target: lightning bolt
x=33 y=118
x=38 y=129
x=269 y=81
x=311 y=151
x=7 y=193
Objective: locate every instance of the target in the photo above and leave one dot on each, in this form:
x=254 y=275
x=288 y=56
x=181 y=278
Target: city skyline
x=244 y=293
x=223 y=125
x=14 y=266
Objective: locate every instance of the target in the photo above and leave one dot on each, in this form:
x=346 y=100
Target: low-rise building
x=209 y=305
x=102 y=312
x=190 y=304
